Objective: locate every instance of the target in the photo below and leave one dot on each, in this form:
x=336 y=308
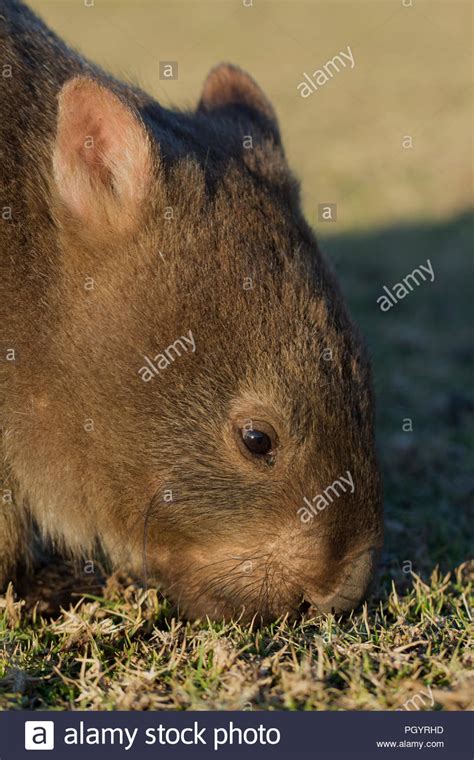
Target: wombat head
x=230 y=451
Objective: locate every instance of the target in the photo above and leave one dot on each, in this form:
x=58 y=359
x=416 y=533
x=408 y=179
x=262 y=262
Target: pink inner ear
x=91 y=142
x=100 y=146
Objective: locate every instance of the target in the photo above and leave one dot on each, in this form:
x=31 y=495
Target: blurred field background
x=412 y=76
x=396 y=207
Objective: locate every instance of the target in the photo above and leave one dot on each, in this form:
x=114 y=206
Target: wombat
x=182 y=389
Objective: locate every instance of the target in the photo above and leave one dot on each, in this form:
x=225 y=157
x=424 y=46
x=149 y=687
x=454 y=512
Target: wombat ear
x=230 y=89
x=101 y=158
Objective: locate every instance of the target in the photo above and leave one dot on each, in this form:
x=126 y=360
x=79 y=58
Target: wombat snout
x=275 y=591
x=268 y=581
x=353 y=589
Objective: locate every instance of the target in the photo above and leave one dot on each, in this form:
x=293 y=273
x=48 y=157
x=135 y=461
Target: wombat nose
x=354 y=588
x=304 y=607
x=337 y=604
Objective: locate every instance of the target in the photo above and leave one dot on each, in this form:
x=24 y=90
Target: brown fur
x=230 y=541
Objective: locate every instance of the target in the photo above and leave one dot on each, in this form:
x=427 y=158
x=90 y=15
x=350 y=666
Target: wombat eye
x=257 y=441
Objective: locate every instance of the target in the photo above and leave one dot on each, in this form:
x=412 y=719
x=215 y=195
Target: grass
x=121 y=651
x=121 y=648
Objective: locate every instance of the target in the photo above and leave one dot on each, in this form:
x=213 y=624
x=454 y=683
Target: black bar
x=315 y=735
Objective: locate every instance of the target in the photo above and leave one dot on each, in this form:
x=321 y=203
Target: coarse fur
x=172 y=221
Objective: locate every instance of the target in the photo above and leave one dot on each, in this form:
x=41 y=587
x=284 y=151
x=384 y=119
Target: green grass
x=122 y=651
x=121 y=648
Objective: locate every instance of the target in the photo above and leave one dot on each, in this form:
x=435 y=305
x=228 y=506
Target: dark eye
x=257 y=441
